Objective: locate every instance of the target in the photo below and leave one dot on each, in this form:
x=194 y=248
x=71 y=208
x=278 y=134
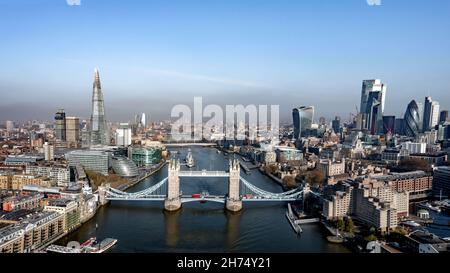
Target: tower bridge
x=168 y=190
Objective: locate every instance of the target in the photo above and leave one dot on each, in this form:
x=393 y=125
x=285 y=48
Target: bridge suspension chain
x=284 y=195
x=157 y=189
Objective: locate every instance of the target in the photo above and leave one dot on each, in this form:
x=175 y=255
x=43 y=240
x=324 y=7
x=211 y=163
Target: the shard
x=98 y=128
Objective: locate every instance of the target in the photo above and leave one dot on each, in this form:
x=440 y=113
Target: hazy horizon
x=156 y=54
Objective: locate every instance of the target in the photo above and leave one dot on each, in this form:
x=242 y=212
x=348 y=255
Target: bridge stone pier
x=234 y=202
x=173 y=199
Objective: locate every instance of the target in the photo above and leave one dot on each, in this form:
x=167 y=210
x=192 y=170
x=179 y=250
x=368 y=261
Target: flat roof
x=427 y=238
x=16 y=215
x=59 y=202
x=405 y=175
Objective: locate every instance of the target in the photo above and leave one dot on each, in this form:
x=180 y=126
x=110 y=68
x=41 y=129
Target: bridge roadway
x=203 y=173
x=189 y=144
x=209 y=198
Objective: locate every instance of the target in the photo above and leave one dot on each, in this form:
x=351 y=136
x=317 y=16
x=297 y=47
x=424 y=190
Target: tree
x=414 y=164
x=349 y=225
x=400 y=231
x=370 y=238
x=397 y=234
x=271 y=168
x=315 y=177
x=340 y=224
x=289 y=181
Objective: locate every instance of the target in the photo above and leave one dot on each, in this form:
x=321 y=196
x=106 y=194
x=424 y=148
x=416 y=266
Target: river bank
x=99 y=206
x=140 y=179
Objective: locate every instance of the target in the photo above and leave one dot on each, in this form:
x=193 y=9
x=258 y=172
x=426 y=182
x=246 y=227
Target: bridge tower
x=173 y=200
x=102 y=194
x=234 y=202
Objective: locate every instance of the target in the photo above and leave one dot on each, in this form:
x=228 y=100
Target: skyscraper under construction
x=98 y=133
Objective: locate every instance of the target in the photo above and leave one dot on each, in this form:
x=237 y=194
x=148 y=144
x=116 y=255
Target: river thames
x=203 y=227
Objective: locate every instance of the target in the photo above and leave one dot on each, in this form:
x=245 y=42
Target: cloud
x=199 y=77
x=182 y=75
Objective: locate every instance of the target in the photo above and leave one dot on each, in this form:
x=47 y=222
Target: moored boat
x=335 y=239
x=100 y=247
x=189 y=159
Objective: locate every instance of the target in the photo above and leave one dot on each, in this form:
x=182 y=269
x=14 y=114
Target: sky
x=155 y=54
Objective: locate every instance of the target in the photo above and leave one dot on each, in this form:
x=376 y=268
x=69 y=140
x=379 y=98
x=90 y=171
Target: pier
x=307 y=221
x=291 y=217
x=244 y=166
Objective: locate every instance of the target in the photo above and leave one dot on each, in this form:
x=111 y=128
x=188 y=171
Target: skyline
x=283 y=53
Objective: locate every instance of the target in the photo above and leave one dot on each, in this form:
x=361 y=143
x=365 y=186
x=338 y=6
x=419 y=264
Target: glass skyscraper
x=373 y=94
x=430 y=114
x=388 y=125
x=60 y=125
x=412 y=120
x=336 y=125
x=302 y=118
x=443 y=116
x=98 y=128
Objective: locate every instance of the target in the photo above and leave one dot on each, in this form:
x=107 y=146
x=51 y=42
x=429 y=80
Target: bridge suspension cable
x=158 y=189
x=295 y=193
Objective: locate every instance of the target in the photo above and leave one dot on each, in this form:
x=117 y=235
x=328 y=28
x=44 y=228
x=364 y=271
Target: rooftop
x=35 y=218
x=427 y=238
x=19 y=198
x=87 y=152
x=59 y=202
x=16 y=215
x=405 y=175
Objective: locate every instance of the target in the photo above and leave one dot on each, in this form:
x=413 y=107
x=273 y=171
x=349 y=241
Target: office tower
x=420 y=108
x=374 y=113
x=388 y=125
x=412 y=120
x=91 y=160
x=123 y=135
x=373 y=95
x=434 y=120
x=143 y=121
x=399 y=126
x=48 y=151
x=443 y=116
x=336 y=124
x=430 y=114
x=361 y=120
x=98 y=129
x=84 y=125
x=137 y=119
x=303 y=118
x=72 y=132
x=9 y=126
x=322 y=121
x=441 y=181
x=85 y=138
x=60 y=125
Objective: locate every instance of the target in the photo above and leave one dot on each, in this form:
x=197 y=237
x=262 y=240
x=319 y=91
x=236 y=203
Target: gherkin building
x=412 y=119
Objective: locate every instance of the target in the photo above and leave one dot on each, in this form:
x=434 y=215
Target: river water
x=203 y=227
